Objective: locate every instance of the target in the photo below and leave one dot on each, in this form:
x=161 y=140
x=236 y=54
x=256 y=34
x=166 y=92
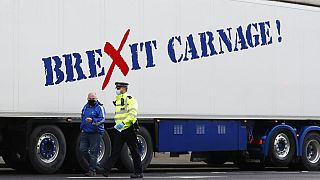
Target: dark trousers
x=89 y=147
x=129 y=136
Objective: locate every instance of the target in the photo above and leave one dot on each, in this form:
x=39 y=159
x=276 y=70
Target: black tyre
x=71 y=163
x=47 y=149
x=311 y=152
x=145 y=148
x=104 y=153
x=281 y=148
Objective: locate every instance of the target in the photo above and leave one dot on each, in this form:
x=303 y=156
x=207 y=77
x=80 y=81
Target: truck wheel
x=47 y=149
x=311 y=152
x=104 y=152
x=71 y=163
x=145 y=150
x=281 y=148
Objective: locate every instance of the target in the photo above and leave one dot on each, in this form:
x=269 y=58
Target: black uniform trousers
x=130 y=137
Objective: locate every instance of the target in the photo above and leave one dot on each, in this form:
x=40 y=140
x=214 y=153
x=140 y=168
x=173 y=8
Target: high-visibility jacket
x=126 y=110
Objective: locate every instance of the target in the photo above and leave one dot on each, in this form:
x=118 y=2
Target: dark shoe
x=99 y=167
x=90 y=174
x=106 y=173
x=137 y=175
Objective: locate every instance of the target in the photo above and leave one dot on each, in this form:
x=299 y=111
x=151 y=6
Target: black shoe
x=90 y=174
x=106 y=173
x=100 y=167
x=140 y=175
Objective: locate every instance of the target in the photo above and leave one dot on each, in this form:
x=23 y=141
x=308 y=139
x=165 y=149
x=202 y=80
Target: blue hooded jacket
x=97 y=113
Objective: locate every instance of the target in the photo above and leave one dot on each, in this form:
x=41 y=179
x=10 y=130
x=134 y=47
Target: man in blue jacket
x=92 y=129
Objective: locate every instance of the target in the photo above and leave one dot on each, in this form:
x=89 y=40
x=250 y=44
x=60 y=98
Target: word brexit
x=180 y=49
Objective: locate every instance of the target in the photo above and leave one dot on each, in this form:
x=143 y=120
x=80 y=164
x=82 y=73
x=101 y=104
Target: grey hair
x=92 y=93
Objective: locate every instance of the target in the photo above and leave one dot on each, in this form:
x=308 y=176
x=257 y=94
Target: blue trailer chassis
x=201 y=135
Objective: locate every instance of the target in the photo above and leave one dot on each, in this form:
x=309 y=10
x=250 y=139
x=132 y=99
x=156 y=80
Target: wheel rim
x=47 y=148
x=102 y=151
x=142 y=147
x=313 y=151
x=281 y=146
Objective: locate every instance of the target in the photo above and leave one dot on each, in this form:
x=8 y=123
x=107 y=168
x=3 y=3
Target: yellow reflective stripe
x=120 y=118
x=132 y=109
x=133 y=112
x=120 y=115
x=126 y=104
x=121 y=112
x=133 y=115
x=125 y=112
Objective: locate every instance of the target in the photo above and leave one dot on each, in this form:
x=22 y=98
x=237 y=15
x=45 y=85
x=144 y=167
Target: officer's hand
x=119 y=125
x=89 y=120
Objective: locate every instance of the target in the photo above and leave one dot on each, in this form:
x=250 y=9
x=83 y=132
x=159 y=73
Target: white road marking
x=84 y=177
x=218 y=172
x=196 y=177
x=187 y=173
x=150 y=177
x=285 y=172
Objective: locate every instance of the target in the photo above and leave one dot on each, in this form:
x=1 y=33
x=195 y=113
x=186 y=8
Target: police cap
x=121 y=84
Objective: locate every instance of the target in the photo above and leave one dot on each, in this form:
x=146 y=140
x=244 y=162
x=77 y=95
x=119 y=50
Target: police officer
x=125 y=117
x=92 y=129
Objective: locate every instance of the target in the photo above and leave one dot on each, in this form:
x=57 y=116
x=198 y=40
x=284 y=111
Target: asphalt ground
x=173 y=168
x=176 y=172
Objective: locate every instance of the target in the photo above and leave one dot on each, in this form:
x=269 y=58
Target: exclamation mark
x=279 y=32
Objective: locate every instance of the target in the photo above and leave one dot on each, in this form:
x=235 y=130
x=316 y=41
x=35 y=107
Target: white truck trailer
x=227 y=80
